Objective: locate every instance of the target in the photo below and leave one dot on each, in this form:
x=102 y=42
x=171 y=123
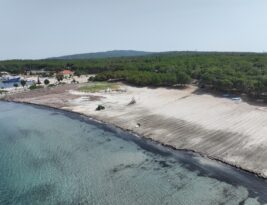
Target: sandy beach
x=221 y=128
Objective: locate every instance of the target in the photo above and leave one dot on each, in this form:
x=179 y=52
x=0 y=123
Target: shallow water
x=53 y=157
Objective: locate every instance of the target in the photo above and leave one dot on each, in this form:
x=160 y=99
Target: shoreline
x=204 y=165
x=215 y=128
x=256 y=188
x=149 y=140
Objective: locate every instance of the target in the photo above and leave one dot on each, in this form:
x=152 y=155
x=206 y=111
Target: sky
x=34 y=29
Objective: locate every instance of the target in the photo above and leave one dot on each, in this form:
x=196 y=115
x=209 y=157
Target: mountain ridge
x=105 y=54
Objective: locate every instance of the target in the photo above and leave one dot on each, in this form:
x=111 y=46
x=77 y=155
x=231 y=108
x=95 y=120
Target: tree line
x=145 y=78
x=225 y=72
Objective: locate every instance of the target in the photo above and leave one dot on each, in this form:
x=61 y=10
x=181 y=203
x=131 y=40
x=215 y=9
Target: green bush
x=23 y=82
x=34 y=86
x=3 y=92
x=100 y=107
x=46 y=81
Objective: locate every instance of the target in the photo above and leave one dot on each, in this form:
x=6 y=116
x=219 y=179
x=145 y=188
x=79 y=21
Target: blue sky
x=35 y=29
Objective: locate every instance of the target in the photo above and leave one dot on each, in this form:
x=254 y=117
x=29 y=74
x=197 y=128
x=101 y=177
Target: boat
x=10 y=79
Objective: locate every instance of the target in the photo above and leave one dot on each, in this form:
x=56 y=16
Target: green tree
x=46 y=82
x=23 y=83
x=182 y=78
x=78 y=73
x=59 y=77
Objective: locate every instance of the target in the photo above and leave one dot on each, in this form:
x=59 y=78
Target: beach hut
x=67 y=73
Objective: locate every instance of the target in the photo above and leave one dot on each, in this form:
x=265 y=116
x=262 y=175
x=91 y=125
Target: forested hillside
x=227 y=72
x=107 y=54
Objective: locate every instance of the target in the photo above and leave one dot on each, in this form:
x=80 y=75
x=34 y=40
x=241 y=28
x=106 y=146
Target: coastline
x=255 y=187
x=113 y=127
x=140 y=133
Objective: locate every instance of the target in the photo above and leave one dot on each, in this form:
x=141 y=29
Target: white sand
x=234 y=132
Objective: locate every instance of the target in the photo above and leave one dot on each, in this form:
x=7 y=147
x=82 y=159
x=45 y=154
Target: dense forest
x=226 y=72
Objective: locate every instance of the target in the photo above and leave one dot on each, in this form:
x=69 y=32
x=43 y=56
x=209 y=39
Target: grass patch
x=96 y=87
x=34 y=86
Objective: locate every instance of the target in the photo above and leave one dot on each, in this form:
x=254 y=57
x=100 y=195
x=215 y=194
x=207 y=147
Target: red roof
x=66 y=72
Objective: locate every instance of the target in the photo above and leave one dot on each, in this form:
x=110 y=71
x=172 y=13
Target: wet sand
x=219 y=128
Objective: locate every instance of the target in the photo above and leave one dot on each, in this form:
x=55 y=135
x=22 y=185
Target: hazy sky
x=45 y=28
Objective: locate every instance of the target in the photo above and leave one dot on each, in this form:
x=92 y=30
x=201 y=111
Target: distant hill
x=107 y=54
x=133 y=53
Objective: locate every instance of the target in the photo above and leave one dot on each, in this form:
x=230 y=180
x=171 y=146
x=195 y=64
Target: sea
x=53 y=157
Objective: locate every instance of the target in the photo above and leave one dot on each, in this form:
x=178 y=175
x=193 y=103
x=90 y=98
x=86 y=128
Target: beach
x=216 y=127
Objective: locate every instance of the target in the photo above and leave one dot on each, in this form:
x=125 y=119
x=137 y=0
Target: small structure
x=67 y=73
x=3 y=73
x=100 y=107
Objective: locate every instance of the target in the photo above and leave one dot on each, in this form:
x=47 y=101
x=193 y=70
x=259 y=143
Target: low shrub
x=34 y=86
x=100 y=107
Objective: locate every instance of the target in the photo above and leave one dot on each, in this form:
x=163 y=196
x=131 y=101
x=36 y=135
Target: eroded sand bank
x=230 y=131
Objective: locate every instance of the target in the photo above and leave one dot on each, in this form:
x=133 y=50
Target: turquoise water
x=52 y=157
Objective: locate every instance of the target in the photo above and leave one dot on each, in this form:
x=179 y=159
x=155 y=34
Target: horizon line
x=152 y=52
